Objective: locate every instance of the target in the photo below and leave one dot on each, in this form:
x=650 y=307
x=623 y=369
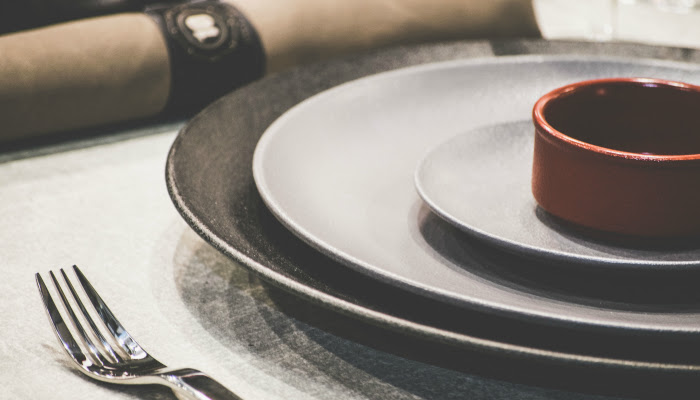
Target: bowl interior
x=640 y=116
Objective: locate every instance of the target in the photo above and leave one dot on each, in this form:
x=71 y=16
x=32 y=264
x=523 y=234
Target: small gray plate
x=480 y=182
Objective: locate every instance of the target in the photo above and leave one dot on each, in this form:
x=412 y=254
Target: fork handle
x=191 y=384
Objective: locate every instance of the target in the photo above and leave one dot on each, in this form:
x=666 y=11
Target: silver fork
x=123 y=361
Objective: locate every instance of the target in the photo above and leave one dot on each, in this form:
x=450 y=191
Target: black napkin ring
x=213 y=49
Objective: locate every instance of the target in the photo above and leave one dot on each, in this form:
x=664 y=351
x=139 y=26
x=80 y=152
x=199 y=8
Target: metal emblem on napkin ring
x=212 y=48
x=207 y=30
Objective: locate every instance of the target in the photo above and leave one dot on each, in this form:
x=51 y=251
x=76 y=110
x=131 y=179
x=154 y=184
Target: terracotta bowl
x=620 y=156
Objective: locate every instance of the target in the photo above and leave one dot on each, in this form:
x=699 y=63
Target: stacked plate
x=400 y=195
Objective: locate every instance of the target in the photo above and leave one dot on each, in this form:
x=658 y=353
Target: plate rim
x=395 y=323
x=513 y=246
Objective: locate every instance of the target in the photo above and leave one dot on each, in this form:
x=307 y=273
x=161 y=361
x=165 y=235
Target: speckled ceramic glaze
x=210 y=180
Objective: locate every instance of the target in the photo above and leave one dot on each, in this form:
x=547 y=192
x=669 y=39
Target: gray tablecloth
x=102 y=204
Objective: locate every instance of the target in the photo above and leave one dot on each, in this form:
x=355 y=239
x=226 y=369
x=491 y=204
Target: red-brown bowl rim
x=541 y=122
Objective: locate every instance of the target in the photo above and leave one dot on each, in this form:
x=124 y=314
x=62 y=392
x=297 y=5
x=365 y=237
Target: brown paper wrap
x=115 y=68
x=90 y=72
x=303 y=31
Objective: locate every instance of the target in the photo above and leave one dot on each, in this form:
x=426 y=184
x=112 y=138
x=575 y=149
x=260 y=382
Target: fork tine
x=127 y=343
x=108 y=348
x=60 y=327
x=78 y=326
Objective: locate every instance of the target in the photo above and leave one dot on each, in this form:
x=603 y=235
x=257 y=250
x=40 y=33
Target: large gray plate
x=480 y=182
x=337 y=170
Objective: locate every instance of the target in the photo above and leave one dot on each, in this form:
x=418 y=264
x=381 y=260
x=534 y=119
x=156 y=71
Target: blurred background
x=660 y=22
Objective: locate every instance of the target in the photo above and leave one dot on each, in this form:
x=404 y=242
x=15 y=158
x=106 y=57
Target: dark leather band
x=213 y=49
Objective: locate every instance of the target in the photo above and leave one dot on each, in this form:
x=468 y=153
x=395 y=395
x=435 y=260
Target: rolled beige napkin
x=79 y=74
x=315 y=29
x=125 y=67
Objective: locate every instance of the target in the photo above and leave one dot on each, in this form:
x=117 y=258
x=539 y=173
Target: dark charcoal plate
x=210 y=180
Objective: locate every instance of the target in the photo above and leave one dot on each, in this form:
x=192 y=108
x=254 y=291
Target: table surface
x=102 y=203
